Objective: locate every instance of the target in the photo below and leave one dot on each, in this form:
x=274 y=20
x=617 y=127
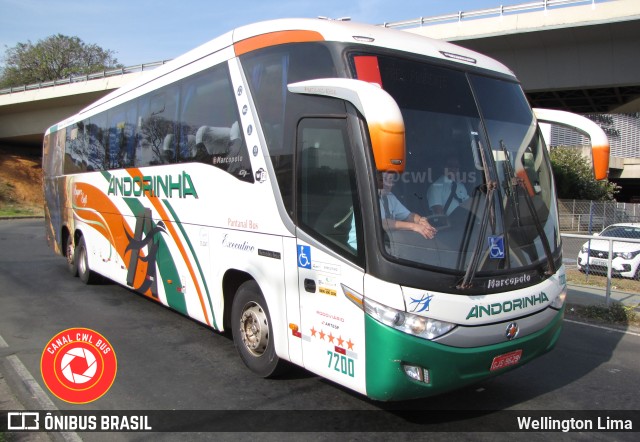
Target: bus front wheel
x=252 y=331
x=81 y=258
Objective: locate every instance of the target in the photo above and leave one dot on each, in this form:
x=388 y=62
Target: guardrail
x=480 y=13
x=80 y=78
x=611 y=240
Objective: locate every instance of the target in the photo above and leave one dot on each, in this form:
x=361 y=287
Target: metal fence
x=593 y=246
x=541 y=5
x=82 y=78
x=578 y=216
x=617 y=255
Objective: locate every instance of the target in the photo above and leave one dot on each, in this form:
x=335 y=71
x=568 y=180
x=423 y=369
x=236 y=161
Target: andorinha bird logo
x=422 y=304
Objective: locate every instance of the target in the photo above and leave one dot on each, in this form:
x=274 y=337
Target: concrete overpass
x=576 y=55
x=27 y=111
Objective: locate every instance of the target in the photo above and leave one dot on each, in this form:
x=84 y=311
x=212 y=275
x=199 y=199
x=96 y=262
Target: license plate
x=598 y=262
x=506 y=360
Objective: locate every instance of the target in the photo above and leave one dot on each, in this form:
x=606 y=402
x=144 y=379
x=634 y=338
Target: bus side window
x=121 y=136
x=73 y=150
x=210 y=131
x=96 y=130
x=327 y=203
x=157 y=128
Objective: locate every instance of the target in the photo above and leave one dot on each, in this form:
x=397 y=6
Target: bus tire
x=70 y=253
x=252 y=331
x=82 y=261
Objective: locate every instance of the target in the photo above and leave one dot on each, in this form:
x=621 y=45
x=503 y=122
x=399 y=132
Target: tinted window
x=210 y=130
x=96 y=138
x=327 y=203
x=75 y=160
x=121 y=151
x=193 y=120
x=269 y=71
x=157 y=130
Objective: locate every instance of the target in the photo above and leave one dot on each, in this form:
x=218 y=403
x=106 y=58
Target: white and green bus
x=372 y=205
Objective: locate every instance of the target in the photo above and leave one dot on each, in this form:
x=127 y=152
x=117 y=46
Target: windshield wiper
x=510 y=182
x=475 y=258
x=487 y=215
x=514 y=184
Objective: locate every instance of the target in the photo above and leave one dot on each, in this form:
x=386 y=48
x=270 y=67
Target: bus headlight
x=559 y=301
x=409 y=323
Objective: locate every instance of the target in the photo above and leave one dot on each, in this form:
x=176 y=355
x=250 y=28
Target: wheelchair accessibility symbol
x=304 y=257
x=496 y=247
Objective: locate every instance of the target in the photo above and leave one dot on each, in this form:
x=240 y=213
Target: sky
x=145 y=31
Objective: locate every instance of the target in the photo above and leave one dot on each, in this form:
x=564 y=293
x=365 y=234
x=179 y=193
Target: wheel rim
x=254 y=329
x=70 y=253
x=82 y=262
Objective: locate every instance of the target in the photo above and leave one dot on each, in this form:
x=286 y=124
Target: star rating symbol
x=337 y=340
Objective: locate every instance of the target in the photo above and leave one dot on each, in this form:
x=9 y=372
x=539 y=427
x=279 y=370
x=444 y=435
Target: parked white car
x=626 y=255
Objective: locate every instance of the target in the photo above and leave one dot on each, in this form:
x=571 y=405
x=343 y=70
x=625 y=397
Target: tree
x=574 y=177
x=53 y=58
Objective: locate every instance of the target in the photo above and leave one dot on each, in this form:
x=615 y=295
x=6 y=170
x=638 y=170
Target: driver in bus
x=395 y=216
x=447 y=193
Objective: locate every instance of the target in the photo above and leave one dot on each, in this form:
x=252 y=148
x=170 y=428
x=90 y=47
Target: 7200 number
x=341 y=363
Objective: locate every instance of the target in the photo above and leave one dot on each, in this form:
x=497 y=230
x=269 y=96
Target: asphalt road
x=169 y=362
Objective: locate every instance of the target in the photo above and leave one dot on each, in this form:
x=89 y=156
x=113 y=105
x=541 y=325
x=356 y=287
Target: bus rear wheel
x=252 y=331
x=70 y=253
x=82 y=261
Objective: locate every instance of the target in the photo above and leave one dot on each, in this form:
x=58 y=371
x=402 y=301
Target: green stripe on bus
x=166 y=265
x=195 y=257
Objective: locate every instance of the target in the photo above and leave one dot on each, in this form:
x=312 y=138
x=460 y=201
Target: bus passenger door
x=331 y=326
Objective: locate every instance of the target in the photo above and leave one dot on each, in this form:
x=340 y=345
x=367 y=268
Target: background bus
x=283 y=181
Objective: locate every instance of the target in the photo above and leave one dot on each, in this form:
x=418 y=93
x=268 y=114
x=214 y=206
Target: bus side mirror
x=599 y=141
x=386 y=126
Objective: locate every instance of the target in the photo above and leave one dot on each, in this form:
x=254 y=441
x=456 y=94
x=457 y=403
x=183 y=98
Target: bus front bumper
x=448 y=368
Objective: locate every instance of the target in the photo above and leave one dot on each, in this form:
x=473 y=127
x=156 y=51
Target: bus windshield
x=476 y=170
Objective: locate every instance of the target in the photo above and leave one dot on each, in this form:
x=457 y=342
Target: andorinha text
x=478 y=311
x=167 y=186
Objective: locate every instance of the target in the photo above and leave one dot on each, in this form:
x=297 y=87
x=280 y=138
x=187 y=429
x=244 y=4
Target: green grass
x=13 y=210
x=616 y=313
x=10 y=207
x=624 y=284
